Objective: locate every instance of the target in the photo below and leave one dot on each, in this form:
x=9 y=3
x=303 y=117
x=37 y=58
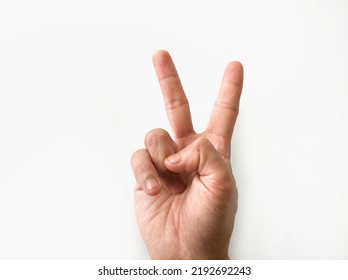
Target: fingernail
x=151 y=184
x=177 y=188
x=174 y=159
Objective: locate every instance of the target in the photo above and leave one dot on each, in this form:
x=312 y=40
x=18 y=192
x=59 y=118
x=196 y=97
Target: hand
x=186 y=195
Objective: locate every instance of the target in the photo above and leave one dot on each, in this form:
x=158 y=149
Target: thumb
x=201 y=157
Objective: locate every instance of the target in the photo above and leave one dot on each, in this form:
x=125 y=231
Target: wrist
x=207 y=256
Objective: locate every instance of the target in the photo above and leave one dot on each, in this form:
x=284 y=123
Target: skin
x=186 y=195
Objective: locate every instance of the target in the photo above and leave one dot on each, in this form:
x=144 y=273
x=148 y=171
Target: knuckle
x=203 y=142
x=155 y=136
x=137 y=157
x=140 y=169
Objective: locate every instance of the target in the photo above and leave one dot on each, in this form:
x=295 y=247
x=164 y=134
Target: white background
x=78 y=94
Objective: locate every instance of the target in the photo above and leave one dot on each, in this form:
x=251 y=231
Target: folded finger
x=160 y=145
x=145 y=173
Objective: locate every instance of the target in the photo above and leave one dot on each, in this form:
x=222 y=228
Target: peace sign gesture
x=185 y=195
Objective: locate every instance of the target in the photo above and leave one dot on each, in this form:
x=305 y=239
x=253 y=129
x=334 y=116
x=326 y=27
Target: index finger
x=176 y=104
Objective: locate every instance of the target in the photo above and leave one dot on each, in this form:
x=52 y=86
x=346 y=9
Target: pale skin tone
x=185 y=194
